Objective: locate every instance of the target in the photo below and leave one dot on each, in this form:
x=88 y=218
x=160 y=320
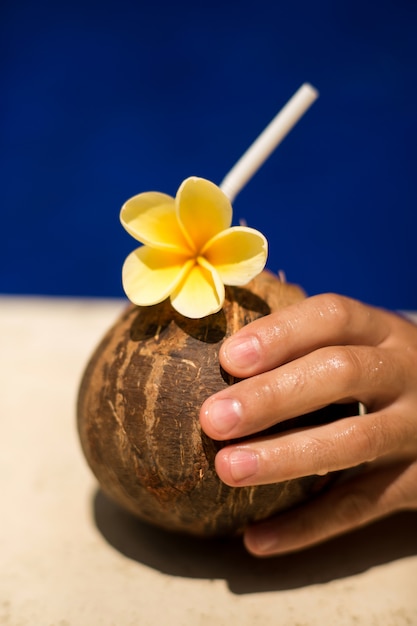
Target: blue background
x=104 y=100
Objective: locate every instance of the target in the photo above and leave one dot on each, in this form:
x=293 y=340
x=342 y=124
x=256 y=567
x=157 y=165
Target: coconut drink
x=194 y=281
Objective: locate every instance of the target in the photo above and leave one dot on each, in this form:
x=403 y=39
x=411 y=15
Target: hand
x=326 y=349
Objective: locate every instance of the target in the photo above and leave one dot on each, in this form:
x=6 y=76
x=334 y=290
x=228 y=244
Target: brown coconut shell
x=138 y=408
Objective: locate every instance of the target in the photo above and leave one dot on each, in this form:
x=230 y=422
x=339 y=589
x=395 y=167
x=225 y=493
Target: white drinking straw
x=268 y=140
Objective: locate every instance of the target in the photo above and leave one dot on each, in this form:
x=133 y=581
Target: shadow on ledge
x=226 y=558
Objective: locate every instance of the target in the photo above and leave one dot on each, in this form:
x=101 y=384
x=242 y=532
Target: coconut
x=138 y=409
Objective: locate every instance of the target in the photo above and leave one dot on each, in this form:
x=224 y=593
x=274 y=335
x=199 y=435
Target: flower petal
x=151 y=218
x=149 y=275
x=203 y=210
x=201 y=293
x=238 y=254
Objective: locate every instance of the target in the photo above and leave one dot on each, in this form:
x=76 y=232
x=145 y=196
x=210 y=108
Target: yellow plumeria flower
x=189 y=249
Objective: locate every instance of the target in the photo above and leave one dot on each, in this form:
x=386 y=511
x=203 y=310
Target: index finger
x=318 y=321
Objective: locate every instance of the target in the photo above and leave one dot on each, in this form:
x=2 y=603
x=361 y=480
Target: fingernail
x=243 y=464
x=242 y=352
x=224 y=415
x=263 y=541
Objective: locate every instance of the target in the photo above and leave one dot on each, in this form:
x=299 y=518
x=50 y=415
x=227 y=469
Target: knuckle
x=377 y=435
x=376 y=438
x=368 y=441
x=272 y=389
x=323 y=455
x=336 y=308
x=309 y=527
x=268 y=394
x=352 y=507
x=345 y=361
